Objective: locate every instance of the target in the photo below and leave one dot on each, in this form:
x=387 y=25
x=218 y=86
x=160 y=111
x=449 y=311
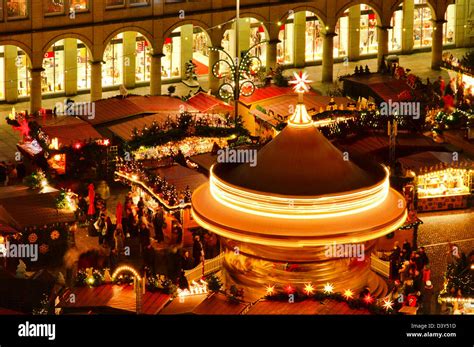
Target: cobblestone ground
x=440 y=228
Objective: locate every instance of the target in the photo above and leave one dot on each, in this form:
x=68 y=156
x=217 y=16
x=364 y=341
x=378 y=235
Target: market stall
x=446 y=185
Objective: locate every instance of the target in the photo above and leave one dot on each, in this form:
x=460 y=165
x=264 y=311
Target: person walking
x=158 y=223
x=198 y=251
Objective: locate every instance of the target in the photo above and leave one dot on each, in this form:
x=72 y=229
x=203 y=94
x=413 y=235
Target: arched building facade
x=65 y=47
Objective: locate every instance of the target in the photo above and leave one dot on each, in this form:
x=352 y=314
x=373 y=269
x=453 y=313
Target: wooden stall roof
x=206 y=103
x=266 y=93
x=279 y=105
x=375 y=142
x=385 y=86
x=70 y=130
x=112 y=296
x=185 y=305
x=306 y=307
x=34 y=209
x=204 y=160
x=113 y=109
x=219 y=304
x=161 y=103
x=124 y=129
x=428 y=159
x=181 y=177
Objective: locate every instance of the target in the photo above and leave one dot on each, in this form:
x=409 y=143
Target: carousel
x=277 y=219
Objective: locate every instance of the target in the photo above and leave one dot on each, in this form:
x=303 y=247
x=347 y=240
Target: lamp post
x=239 y=66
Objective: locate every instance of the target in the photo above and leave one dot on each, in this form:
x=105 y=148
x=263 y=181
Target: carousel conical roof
x=300 y=161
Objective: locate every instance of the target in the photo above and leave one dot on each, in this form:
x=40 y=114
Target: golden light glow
x=270 y=290
x=302 y=208
x=387 y=304
x=348 y=294
x=126 y=268
x=300 y=117
x=195 y=288
x=301 y=82
x=134 y=178
x=308 y=289
x=320 y=241
x=328 y=288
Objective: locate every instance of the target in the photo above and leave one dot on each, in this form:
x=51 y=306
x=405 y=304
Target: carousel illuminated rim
x=329 y=206
x=270 y=219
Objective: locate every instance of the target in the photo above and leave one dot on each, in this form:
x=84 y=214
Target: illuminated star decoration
x=368 y=299
x=348 y=294
x=308 y=289
x=270 y=290
x=387 y=304
x=301 y=82
x=24 y=128
x=289 y=289
x=328 y=288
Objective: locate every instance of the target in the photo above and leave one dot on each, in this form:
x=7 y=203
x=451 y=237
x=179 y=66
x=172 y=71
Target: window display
x=54 y=6
x=143 y=59
x=200 y=49
x=422 y=26
x=83 y=67
x=53 y=65
x=23 y=71
x=112 y=70
x=449 y=28
x=171 y=62
x=78 y=5
x=368 y=30
x=284 y=47
x=395 y=33
x=341 y=40
x=314 y=38
x=444 y=183
x=17 y=8
x=257 y=35
x=138 y=2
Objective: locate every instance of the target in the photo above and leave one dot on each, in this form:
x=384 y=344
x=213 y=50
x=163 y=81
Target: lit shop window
x=53 y=65
x=257 y=35
x=368 y=30
x=200 y=49
x=78 y=5
x=171 y=62
x=395 y=33
x=83 y=67
x=2 y=73
x=422 y=26
x=54 y=6
x=341 y=40
x=23 y=70
x=112 y=70
x=314 y=38
x=284 y=47
x=449 y=28
x=143 y=59
x=17 y=8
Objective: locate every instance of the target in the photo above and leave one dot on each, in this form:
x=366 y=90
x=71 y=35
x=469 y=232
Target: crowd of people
x=142 y=231
x=410 y=276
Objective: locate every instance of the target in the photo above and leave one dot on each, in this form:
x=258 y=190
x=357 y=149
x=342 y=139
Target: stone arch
x=87 y=42
x=20 y=45
x=148 y=36
x=194 y=22
x=377 y=9
x=321 y=16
